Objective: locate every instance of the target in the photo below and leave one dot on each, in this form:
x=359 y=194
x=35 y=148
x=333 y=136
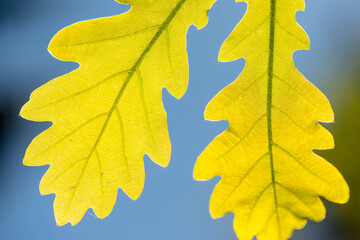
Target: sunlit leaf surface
x=108 y=113
x=270 y=177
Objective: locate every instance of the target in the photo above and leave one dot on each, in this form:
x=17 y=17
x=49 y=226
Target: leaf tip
x=223 y=55
x=26 y=160
x=24 y=110
x=198 y=172
x=345 y=194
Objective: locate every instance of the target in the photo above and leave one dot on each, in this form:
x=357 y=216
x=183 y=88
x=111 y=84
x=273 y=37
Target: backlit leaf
x=270 y=177
x=108 y=113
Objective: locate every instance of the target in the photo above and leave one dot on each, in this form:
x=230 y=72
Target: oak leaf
x=270 y=177
x=108 y=113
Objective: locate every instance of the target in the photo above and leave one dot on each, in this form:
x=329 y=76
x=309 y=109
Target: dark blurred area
x=7 y=113
x=346 y=130
x=13 y=11
x=178 y=207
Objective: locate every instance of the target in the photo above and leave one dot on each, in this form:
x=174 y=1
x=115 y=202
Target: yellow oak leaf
x=108 y=113
x=270 y=177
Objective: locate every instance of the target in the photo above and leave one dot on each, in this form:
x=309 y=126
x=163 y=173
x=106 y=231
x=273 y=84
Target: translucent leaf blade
x=270 y=177
x=108 y=113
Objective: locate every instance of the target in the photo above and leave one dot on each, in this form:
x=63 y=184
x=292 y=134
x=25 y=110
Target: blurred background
x=172 y=205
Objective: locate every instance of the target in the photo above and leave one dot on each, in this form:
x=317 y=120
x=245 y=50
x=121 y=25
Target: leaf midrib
x=118 y=97
x=269 y=103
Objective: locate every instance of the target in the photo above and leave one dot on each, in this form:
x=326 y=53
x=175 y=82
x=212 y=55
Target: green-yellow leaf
x=271 y=178
x=108 y=113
